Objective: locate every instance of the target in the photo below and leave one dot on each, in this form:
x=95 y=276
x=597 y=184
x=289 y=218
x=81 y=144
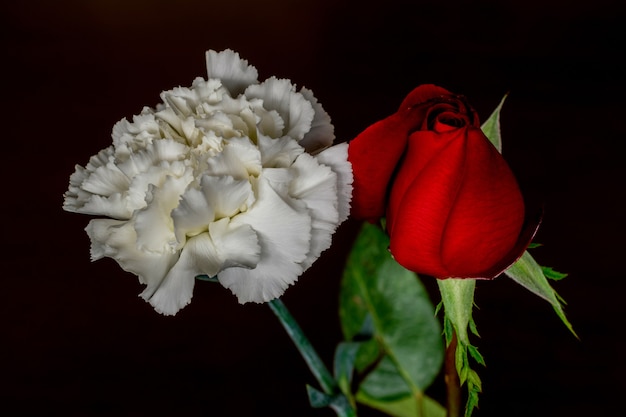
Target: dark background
x=77 y=341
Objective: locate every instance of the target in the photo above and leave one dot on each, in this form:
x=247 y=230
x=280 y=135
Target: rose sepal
x=532 y=276
x=457 y=298
x=524 y=269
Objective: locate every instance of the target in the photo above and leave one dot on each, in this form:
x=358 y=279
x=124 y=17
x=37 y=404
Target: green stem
x=453 y=384
x=312 y=359
x=342 y=406
x=344 y=409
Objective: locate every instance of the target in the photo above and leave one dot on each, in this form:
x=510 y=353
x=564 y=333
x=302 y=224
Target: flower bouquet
x=240 y=182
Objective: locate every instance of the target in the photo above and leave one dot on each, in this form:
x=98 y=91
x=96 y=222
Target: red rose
x=452 y=205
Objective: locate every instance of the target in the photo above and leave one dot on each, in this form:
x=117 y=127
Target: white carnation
x=232 y=177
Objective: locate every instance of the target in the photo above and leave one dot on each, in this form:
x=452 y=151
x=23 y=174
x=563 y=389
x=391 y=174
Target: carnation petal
x=270 y=123
x=117 y=239
x=284 y=233
x=248 y=154
x=294 y=108
x=154 y=226
x=106 y=180
x=316 y=186
x=227 y=195
x=199 y=256
x=192 y=215
x=96 y=189
x=336 y=158
x=237 y=244
x=238 y=160
x=234 y=72
x=151 y=162
x=131 y=136
x=278 y=153
x=113 y=206
x=322 y=133
x=174 y=294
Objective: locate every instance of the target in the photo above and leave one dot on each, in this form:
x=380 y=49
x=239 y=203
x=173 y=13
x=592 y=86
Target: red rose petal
x=374 y=154
x=423 y=94
x=458 y=210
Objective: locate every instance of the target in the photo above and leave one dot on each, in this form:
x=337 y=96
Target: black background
x=77 y=341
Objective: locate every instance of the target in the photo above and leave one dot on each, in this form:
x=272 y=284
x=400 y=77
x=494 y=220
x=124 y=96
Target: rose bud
x=452 y=205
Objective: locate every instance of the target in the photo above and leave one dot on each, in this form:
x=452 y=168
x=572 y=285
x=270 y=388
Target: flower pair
x=237 y=179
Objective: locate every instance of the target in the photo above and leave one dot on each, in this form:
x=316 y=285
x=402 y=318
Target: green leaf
x=339 y=403
x=552 y=274
x=405 y=407
x=448 y=330
x=438 y=307
x=474 y=388
x=345 y=357
x=461 y=361
x=473 y=328
x=317 y=398
x=405 y=327
x=491 y=126
x=475 y=354
x=369 y=353
x=385 y=383
x=529 y=274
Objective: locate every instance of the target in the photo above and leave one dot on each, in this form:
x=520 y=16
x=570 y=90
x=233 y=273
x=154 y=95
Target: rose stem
x=453 y=385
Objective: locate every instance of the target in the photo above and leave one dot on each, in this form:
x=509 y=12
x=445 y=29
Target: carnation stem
x=312 y=359
x=453 y=384
x=317 y=367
